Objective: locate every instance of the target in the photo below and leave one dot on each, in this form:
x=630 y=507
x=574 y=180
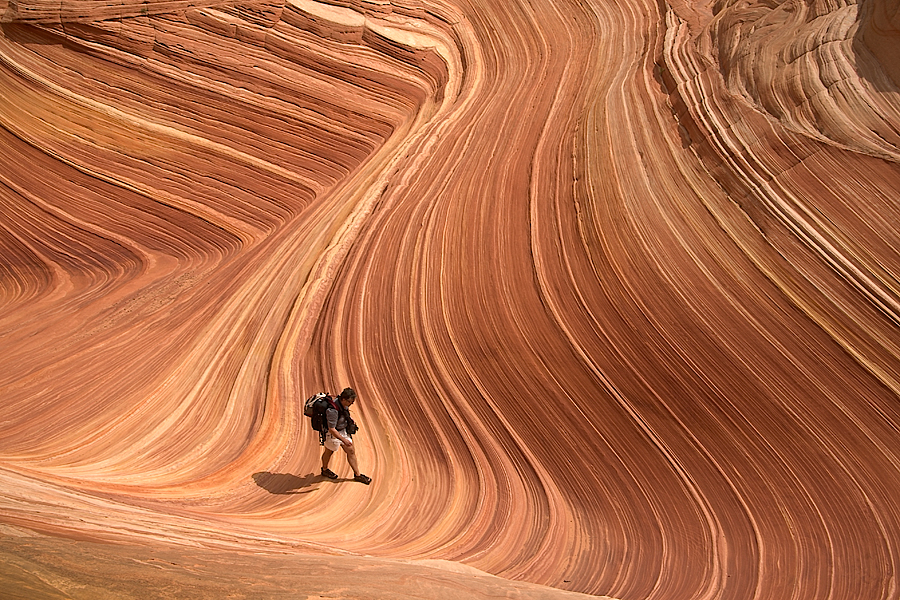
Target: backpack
x=314 y=408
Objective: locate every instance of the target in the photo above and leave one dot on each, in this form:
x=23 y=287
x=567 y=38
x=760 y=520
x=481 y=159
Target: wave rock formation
x=616 y=281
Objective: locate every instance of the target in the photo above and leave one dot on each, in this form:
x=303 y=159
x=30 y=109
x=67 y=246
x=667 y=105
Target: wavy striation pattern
x=617 y=283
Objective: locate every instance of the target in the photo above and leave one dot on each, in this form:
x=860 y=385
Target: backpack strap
x=342 y=411
x=335 y=405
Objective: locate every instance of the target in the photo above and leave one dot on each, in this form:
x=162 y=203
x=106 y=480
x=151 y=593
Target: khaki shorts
x=334 y=444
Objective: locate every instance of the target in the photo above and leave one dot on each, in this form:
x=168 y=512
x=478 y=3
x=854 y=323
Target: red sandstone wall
x=616 y=283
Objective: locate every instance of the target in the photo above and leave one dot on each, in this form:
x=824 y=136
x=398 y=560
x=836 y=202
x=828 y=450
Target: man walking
x=340 y=429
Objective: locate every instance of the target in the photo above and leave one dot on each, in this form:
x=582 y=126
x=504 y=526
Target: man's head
x=347 y=397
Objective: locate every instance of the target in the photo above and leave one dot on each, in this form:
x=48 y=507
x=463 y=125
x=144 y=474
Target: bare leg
x=351 y=459
x=326 y=457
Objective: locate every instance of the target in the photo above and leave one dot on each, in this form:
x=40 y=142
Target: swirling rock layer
x=616 y=283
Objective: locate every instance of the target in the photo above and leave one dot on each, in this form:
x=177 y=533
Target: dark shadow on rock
x=875 y=44
x=285 y=483
x=27 y=34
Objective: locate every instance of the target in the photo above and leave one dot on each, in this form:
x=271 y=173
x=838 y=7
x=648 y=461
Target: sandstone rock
x=617 y=283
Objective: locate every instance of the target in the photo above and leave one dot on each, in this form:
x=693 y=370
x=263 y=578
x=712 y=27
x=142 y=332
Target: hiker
x=340 y=428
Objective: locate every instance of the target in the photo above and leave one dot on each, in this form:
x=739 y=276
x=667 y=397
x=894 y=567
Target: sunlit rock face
x=816 y=67
x=616 y=283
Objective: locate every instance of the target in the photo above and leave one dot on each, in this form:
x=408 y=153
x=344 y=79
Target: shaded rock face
x=616 y=283
x=879 y=28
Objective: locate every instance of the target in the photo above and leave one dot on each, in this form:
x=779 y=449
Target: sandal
x=329 y=473
x=363 y=479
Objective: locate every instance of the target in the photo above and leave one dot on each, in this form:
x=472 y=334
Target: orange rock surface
x=616 y=281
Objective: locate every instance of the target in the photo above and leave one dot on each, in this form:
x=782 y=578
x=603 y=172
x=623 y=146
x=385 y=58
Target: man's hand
x=345 y=441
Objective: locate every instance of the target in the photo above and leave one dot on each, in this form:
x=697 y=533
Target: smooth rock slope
x=617 y=284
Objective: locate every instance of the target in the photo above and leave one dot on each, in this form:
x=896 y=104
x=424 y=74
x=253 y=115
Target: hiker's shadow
x=284 y=483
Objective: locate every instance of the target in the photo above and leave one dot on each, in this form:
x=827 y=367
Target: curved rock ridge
x=90 y=11
x=822 y=69
x=617 y=284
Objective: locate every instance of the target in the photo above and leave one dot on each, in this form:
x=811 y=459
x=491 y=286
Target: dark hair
x=348 y=394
